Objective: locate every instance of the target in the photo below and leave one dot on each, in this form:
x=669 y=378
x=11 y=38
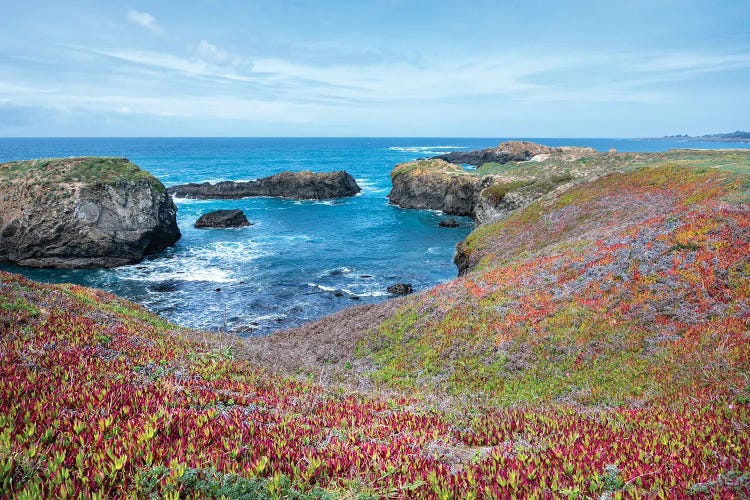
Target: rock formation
x=296 y=185
x=512 y=151
x=223 y=219
x=435 y=185
x=492 y=191
x=82 y=212
x=400 y=289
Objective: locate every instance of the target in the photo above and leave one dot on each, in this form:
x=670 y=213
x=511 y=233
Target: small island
x=304 y=185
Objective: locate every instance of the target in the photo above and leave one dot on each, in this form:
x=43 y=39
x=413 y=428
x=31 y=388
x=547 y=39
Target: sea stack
x=82 y=212
x=222 y=219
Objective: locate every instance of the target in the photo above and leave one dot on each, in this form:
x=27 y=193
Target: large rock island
x=82 y=212
x=296 y=185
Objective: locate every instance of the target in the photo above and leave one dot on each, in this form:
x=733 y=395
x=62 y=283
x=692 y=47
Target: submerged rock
x=400 y=289
x=82 y=212
x=451 y=223
x=223 y=219
x=295 y=185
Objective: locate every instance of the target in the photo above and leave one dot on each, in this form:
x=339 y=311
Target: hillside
x=632 y=288
x=596 y=347
x=99 y=398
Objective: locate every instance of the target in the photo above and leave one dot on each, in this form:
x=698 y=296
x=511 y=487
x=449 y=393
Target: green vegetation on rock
x=93 y=170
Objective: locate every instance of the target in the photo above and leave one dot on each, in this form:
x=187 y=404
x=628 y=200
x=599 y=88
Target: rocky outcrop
x=82 y=212
x=492 y=191
x=505 y=152
x=439 y=185
x=295 y=185
x=514 y=151
x=222 y=219
x=435 y=185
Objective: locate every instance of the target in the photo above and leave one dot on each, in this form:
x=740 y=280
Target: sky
x=386 y=68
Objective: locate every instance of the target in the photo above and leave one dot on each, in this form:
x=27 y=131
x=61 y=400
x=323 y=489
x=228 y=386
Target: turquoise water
x=300 y=260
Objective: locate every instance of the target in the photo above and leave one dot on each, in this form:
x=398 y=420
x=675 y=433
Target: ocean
x=300 y=260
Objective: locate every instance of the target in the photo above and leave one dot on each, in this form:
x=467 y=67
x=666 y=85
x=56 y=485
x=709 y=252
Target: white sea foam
x=335 y=271
x=184 y=271
x=373 y=293
x=188 y=201
x=369 y=186
x=205 y=263
x=423 y=149
x=327 y=288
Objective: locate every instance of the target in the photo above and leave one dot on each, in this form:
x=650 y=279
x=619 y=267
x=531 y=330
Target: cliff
x=82 y=212
x=494 y=189
x=295 y=185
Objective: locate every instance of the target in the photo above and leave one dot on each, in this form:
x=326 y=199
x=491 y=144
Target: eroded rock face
x=296 y=185
x=435 y=185
x=223 y=219
x=82 y=212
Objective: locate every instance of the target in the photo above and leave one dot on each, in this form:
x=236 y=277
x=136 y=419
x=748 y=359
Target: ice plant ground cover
x=98 y=397
x=603 y=334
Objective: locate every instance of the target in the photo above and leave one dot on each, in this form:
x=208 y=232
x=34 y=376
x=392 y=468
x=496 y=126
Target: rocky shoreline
x=491 y=191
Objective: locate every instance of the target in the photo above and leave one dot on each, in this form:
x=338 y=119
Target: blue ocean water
x=301 y=260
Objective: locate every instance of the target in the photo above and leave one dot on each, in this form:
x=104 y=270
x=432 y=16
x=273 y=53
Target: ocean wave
x=424 y=149
x=369 y=186
x=335 y=271
x=329 y=203
x=328 y=288
x=354 y=289
x=189 y=201
x=206 y=263
x=182 y=272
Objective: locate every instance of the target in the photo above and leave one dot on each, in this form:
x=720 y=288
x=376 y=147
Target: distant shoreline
x=738 y=136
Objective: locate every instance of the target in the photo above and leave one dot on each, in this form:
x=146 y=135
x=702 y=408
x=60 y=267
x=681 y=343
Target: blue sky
x=500 y=68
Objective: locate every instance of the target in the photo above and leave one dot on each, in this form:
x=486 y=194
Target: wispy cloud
x=211 y=54
x=145 y=20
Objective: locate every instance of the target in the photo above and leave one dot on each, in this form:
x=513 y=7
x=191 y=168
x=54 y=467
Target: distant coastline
x=738 y=136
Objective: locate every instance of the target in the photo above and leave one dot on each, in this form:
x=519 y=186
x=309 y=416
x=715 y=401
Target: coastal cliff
x=496 y=188
x=82 y=212
x=304 y=185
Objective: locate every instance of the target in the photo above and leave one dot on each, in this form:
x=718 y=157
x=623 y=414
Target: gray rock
x=82 y=212
x=223 y=219
x=435 y=185
x=400 y=289
x=295 y=185
x=505 y=152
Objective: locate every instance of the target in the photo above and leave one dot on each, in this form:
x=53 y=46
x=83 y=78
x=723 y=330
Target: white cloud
x=211 y=54
x=145 y=20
